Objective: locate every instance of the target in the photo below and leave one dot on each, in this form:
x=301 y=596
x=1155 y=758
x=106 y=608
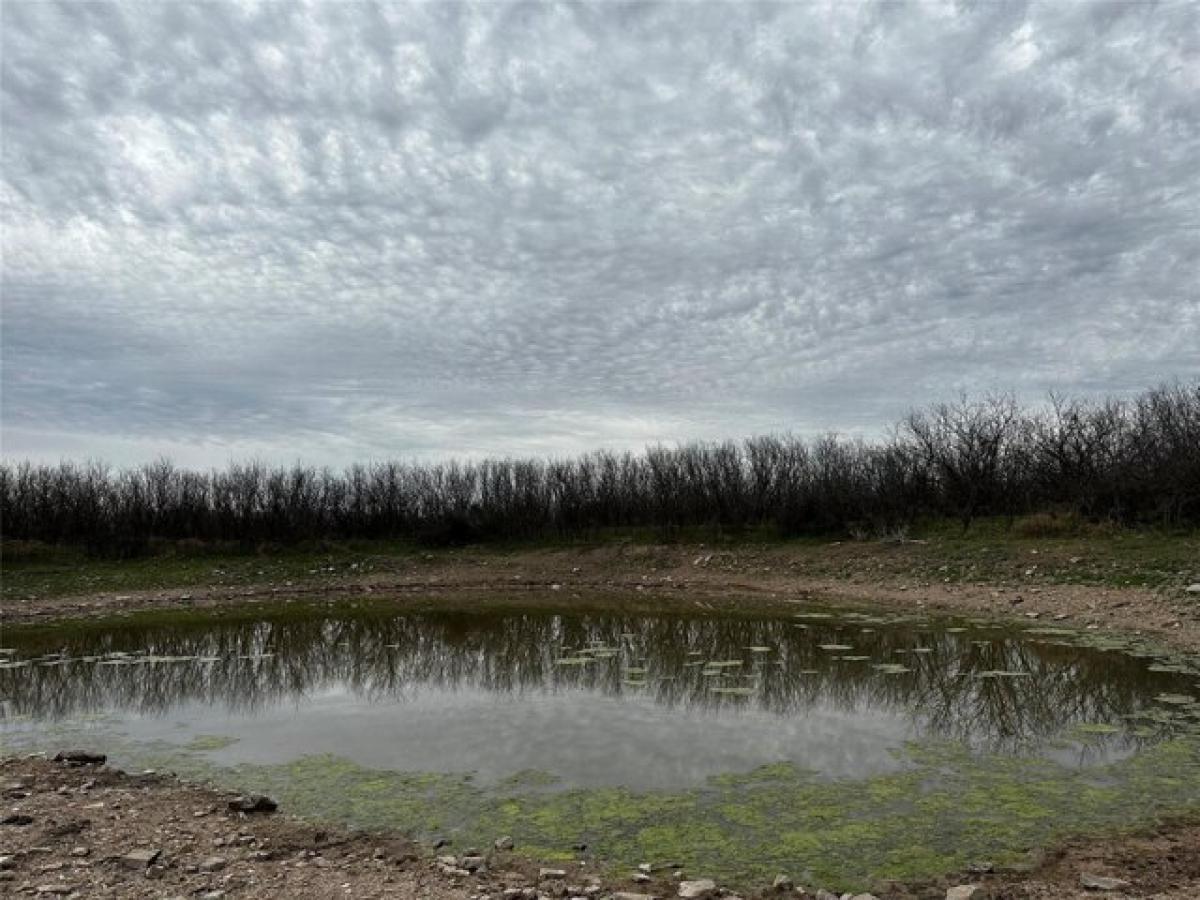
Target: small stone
x=253 y=803
x=140 y=858
x=504 y=843
x=641 y=877
x=864 y=897
x=80 y=758
x=698 y=889
x=550 y=874
x=1101 y=882
x=472 y=863
x=80 y=851
x=645 y=867
x=213 y=864
x=60 y=890
x=6 y=862
x=212 y=895
x=782 y=883
x=629 y=895
x=1193 y=588
x=823 y=894
x=965 y=892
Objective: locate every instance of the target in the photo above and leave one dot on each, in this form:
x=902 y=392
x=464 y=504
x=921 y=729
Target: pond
x=835 y=745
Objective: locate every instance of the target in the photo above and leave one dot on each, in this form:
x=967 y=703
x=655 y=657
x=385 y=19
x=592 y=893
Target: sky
x=348 y=231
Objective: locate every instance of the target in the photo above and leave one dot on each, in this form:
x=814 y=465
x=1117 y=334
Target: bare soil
x=653 y=575
x=78 y=831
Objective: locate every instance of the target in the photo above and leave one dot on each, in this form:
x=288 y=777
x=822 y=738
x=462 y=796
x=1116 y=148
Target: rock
x=782 y=883
x=80 y=851
x=1192 y=588
x=1101 y=882
x=59 y=890
x=253 y=803
x=823 y=894
x=504 y=843
x=864 y=897
x=6 y=862
x=550 y=874
x=140 y=858
x=698 y=889
x=641 y=877
x=645 y=867
x=213 y=864
x=212 y=895
x=472 y=863
x=80 y=758
x=629 y=895
x=965 y=892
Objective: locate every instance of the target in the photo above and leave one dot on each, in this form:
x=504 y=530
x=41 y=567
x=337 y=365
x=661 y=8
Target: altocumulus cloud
x=345 y=231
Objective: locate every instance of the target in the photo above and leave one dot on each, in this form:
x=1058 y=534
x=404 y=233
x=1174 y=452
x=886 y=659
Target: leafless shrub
x=1122 y=462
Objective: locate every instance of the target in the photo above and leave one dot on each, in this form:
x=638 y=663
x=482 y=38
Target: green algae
x=210 y=742
x=944 y=807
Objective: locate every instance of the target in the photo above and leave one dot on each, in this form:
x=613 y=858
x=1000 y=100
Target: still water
x=640 y=701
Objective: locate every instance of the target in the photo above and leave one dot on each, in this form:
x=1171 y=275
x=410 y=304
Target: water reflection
x=990 y=689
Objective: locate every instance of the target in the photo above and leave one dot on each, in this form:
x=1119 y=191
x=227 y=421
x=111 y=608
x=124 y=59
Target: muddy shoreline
x=94 y=831
x=664 y=577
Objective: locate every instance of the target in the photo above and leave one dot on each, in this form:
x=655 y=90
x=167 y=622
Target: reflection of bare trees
x=999 y=691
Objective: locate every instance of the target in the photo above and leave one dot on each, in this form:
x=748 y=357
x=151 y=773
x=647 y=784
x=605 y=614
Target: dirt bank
x=1031 y=587
x=97 y=832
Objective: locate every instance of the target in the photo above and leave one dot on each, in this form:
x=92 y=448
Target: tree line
x=1129 y=461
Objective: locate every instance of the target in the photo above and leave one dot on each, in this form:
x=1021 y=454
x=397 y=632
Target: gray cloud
x=348 y=230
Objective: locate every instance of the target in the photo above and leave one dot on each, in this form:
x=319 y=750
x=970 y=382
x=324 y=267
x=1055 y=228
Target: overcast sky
x=352 y=231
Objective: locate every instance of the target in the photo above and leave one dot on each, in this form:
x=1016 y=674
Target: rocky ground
x=87 y=831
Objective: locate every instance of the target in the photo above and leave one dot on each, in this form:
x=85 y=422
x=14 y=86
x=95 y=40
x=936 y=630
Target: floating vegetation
x=1176 y=699
x=1001 y=673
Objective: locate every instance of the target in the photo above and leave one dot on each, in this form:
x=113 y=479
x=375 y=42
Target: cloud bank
x=346 y=231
